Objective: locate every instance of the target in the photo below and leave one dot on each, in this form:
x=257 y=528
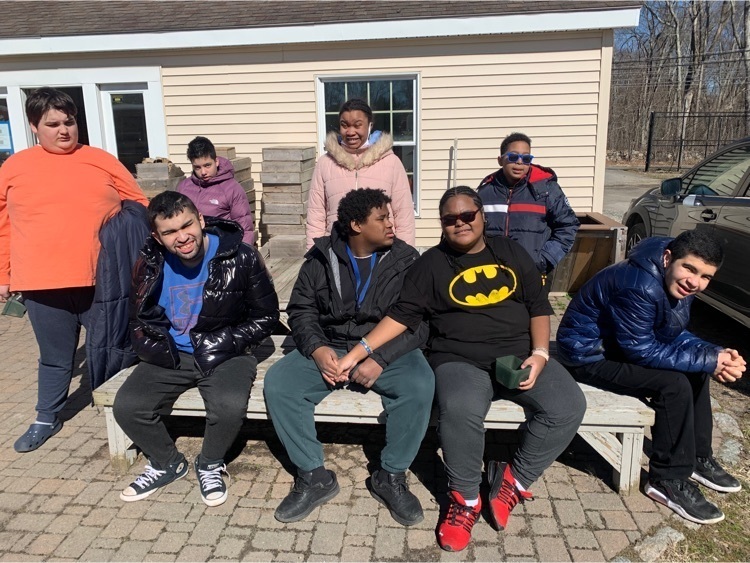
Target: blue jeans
x=56 y=316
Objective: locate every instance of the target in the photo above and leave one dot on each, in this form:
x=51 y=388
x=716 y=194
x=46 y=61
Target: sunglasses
x=465 y=217
x=515 y=157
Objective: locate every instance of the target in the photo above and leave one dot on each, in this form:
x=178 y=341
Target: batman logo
x=482 y=285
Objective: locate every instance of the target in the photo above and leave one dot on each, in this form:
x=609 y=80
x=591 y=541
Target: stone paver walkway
x=61 y=502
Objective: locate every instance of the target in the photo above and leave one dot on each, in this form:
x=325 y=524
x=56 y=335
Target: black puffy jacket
x=240 y=306
x=318 y=315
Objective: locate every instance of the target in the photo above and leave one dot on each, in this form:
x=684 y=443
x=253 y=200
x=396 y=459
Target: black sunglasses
x=466 y=217
x=515 y=156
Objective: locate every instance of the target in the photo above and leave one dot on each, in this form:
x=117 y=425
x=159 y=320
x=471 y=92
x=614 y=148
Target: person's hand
x=327 y=362
x=4 y=293
x=537 y=364
x=729 y=366
x=367 y=373
x=346 y=364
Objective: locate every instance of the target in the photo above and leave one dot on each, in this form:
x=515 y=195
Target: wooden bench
x=614 y=425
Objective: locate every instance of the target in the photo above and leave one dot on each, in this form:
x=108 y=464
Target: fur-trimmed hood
x=380 y=148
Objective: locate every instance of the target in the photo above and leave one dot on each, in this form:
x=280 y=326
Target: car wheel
x=636 y=233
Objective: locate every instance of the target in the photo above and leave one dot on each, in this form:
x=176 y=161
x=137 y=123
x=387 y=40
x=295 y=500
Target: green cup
x=13 y=306
x=507 y=372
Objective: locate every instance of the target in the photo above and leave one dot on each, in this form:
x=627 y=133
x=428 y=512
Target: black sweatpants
x=682 y=403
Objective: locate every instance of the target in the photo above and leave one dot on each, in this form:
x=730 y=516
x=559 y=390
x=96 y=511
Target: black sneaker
x=392 y=491
x=305 y=496
x=152 y=479
x=685 y=499
x=708 y=472
x=211 y=481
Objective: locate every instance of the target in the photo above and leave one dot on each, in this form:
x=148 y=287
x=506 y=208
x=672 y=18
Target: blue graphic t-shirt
x=182 y=294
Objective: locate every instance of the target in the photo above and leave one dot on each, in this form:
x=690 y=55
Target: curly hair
x=699 y=243
x=357 y=205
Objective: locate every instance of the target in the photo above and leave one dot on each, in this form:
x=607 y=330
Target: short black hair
x=200 y=147
x=699 y=243
x=357 y=205
x=168 y=204
x=357 y=104
x=512 y=138
x=44 y=99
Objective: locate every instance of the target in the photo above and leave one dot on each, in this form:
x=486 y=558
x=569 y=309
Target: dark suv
x=714 y=195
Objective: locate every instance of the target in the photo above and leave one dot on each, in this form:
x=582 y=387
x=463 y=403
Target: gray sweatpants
x=554 y=406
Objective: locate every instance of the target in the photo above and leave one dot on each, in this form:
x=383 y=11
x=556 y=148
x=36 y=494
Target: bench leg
x=629 y=475
x=623 y=452
x=121 y=454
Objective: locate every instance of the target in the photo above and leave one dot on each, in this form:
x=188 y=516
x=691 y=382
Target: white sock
x=45 y=423
x=472 y=503
x=519 y=485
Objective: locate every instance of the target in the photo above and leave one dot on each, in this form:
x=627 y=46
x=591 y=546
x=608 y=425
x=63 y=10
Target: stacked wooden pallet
x=286 y=176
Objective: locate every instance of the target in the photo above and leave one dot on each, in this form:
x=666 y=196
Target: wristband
x=543 y=352
x=366 y=346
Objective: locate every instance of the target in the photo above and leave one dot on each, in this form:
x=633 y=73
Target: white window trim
x=320 y=111
x=92 y=81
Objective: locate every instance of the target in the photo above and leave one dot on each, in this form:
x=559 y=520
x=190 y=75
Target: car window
x=720 y=175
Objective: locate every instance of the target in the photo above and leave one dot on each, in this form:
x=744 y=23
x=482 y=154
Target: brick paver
x=61 y=502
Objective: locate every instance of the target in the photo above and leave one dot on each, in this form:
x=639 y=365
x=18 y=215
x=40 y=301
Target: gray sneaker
x=708 y=472
x=152 y=479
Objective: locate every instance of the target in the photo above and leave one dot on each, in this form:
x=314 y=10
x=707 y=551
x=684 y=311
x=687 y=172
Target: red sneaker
x=504 y=494
x=454 y=530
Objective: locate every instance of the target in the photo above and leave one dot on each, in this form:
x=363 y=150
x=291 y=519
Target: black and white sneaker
x=153 y=479
x=685 y=499
x=708 y=472
x=211 y=480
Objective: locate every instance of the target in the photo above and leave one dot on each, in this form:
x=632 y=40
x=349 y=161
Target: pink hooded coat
x=338 y=172
x=221 y=196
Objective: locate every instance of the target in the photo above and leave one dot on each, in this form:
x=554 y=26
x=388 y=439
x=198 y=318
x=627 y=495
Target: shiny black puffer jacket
x=240 y=306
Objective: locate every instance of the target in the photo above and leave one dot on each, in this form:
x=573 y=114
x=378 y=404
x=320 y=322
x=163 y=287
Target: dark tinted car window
x=721 y=175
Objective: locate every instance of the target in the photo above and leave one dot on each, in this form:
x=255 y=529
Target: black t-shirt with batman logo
x=478 y=308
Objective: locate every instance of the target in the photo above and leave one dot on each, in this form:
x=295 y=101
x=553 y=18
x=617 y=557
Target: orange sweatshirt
x=51 y=209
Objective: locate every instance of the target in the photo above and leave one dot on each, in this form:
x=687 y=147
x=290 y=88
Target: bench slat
x=613 y=425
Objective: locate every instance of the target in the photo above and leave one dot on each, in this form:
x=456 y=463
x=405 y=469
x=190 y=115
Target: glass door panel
x=131 y=137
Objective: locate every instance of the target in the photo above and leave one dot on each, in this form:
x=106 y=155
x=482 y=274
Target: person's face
x=465 y=234
x=57 y=132
x=515 y=171
x=354 y=128
x=205 y=167
x=181 y=235
x=377 y=230
x=686 y=276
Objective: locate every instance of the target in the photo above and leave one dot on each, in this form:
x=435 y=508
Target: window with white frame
x=393 y=100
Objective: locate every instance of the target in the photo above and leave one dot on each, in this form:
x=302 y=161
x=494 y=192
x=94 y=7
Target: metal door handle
x=708 y=215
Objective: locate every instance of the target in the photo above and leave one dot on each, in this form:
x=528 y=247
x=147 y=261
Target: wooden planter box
x=599 y=243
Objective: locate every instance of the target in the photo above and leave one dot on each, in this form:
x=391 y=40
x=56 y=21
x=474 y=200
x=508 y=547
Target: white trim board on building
x=323 y=33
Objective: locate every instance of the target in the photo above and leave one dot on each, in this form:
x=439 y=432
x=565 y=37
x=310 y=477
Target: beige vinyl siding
x=475 y=90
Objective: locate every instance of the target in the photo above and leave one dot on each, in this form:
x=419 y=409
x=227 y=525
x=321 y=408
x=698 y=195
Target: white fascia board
x=323 y=33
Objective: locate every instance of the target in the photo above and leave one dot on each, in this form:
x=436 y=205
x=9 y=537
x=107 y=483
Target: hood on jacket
x=647 y=255
x=376 y=151
x=225 y=172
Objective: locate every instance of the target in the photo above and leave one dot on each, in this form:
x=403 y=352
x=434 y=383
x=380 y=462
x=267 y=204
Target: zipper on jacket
x=507 y=213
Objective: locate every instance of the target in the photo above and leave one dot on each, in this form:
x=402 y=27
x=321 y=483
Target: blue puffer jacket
x=535 y=213
x=625 y=314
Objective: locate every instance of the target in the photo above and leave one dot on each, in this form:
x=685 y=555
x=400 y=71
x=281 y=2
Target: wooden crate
x=599 y=243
